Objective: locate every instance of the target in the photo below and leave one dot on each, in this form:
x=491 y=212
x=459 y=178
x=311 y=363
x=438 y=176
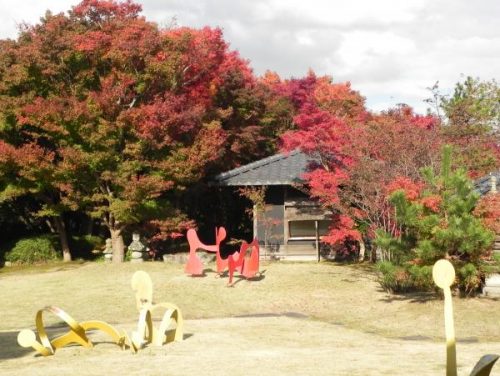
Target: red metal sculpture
x=194 y=265
x=246 y=266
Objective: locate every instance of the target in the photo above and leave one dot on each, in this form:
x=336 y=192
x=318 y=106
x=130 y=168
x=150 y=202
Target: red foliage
x=424 y=122
x=432 y=203
x=342 y=231
x=488 y=209
x=100 y=10
x=411 y=189
x=319 y=133
x=339 y=99
x=298 y=90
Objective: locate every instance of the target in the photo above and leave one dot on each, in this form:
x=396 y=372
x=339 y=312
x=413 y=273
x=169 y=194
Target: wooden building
x=291 y=224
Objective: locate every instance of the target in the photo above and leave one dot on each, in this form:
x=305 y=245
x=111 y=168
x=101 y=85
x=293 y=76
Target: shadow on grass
x=259 y=277
x=9 y=349
x=203 y=275
x=412 y=297
x=44 y=267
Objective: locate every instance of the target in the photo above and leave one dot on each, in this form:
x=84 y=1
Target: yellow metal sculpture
x=443 y=274
x=171 y=325
x=170 y=329
x=76 y=334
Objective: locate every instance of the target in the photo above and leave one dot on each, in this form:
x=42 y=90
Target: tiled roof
x=483 y=184
x=279 y=169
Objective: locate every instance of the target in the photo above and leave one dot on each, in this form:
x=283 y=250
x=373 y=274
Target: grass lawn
x=299 y=318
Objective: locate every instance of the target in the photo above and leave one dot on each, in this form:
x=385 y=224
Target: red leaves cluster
x=411 y=188
x=343 y=229
x=488 y=209
x=433 y=203
x=319 y=132
x=105 y=10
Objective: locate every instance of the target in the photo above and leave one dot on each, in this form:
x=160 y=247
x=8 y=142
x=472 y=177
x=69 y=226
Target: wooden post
x=255 y=213
x=317 y=239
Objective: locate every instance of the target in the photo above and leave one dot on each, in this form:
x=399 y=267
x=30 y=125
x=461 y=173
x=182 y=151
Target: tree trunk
x=376 y=251
x=118 y=245
x=362 y=250
x=90 y=226
x=63 y=237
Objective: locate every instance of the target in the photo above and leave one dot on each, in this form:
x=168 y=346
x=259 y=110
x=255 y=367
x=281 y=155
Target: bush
x=33 y=250
x=393 y=278
x=421 y=277
x=470 y=279
x=404 y=278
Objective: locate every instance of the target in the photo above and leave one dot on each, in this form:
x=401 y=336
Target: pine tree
x=437 y=222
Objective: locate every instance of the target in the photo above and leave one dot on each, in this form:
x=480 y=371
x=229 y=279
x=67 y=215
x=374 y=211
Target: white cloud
x=14 y=13
x=390 y=50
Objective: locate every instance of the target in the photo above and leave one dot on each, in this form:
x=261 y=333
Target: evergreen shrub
x=32 y=250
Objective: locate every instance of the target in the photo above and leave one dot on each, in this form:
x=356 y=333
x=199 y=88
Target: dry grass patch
x=351 y=323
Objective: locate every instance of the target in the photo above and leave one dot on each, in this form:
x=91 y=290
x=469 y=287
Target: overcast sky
x=390 y=50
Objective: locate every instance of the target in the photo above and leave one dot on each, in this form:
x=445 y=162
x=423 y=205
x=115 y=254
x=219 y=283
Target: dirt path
x=253 y=346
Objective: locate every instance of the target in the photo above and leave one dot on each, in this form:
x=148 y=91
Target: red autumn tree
x=359 y=153
x=325 y=114
x=394 y=144
x=122 y=115
x=488 y=210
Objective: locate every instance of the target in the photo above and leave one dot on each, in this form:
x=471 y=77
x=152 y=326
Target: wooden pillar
x=316 y=227
x=255 y=221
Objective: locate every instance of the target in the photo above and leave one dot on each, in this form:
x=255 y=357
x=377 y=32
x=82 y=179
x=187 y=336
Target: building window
x=307 y=229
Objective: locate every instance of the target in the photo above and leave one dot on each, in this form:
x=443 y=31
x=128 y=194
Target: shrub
x=33 y=250
x=393 y=278
x=470 y=279
x=404 y=278
x=422 y=277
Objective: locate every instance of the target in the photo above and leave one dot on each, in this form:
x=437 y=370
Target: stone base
x=491 y=292
x=492 y=286
x=180 y=258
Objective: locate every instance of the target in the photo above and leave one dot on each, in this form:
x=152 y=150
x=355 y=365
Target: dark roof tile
x=279 y=169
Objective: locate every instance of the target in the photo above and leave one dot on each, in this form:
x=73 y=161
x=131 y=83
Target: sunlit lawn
x=338 y=301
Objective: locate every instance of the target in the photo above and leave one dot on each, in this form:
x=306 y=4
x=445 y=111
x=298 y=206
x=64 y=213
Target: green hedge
x=45 y=248
x=400 y=279
x=33 y=250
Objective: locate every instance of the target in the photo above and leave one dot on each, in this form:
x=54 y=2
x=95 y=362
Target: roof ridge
x=252 y=165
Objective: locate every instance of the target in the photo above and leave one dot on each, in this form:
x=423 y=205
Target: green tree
x=471 y=123
x=437 y=221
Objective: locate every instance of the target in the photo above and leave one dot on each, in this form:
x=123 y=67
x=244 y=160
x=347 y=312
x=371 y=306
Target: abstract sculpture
x=145 y=333
x=171 y=326
x=443 y=274
x=194 y=266
x=246 y=266
x=76 y=334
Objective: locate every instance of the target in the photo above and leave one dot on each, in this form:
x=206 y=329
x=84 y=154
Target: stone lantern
x=139 y=251
x=108 y=250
